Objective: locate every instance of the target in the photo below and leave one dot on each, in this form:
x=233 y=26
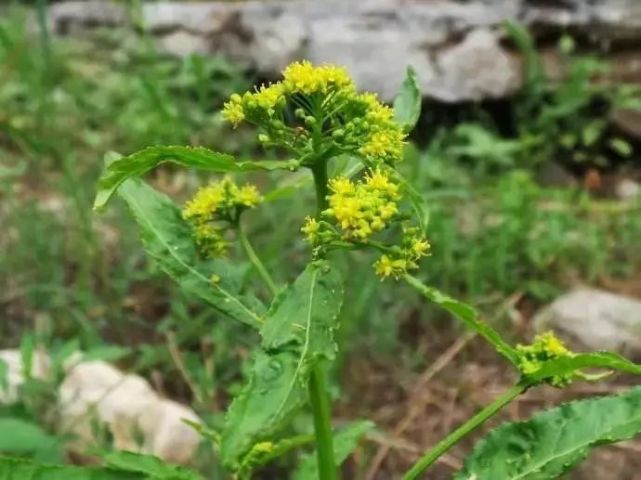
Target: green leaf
x=168 y=240
x=18 y=469
x=4 y=376
x=298 y=331
x=345 y=442
x=467 y=315
x=18 y=436
x=139 y=163
x=621 y=147
x=417 y=201
x=553 y=442
x=304 y=316
x=148 y=465
x=565 y=365
x=275 y=392
x=407 y=104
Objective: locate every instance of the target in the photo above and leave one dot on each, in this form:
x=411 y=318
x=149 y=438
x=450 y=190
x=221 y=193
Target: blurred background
x=528 y=152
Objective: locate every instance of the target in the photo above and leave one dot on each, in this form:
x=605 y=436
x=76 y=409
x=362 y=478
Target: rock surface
x=126 y=405
x=455 y=46
x=596 y=320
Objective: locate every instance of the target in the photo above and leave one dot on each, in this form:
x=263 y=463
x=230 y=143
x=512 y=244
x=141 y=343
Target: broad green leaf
x=565 y=365
x=298 y=331
x=345 y=442
x=167 y=239
x=148 y=465
x=467 y=315
x=139 y=163
x=417 y=201
x=18 y=469
x=265 y=453
x=19 y=436
x=553 y=442
x=304 y=316
x=534 y=73
x=106 y=353
x=275 y=392
x=407 y=104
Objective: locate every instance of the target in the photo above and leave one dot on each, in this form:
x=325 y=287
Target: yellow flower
x=546 y=346
x=388 y=267
x=210 y=240
x=384 y=144
x=310 y=228
x=376 y=111
x=362 y=208
x=205 y=202
x=419 y=248
x=233 y=110
x=248 y=196
x=265 y=98
x=303 y=77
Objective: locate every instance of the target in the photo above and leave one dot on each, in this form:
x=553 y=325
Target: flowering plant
x=315 y=115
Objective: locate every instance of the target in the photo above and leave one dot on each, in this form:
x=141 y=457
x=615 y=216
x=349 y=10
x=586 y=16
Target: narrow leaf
x=467 y=315
x=345 y=442
x=407 y=104
x=565 y=365
x=298 y=331
x=167 y=239
x=139 y=163
x=148 y=465
x=553 y=442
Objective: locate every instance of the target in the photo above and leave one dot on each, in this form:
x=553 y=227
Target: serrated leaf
x=275 y=392
x=19 y=436
x=305 y=314
x=553 y=442
x=565 y=365
x=345 y=442
x=167 y=239
x=407 y=104
x=18 y=469
x=151 y=467
x=139 y=163
x=298 y=331
x=468 y=315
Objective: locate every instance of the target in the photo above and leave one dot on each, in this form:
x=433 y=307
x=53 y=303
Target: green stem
x=322 y=424
x=444 y=445
x=320 y=181
x=317 y=385
x=253 y=258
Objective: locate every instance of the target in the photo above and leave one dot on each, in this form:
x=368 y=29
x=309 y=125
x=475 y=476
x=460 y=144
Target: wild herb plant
x=315 y=116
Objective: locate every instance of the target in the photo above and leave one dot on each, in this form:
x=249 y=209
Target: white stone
x=166 y=434
x=597 y=319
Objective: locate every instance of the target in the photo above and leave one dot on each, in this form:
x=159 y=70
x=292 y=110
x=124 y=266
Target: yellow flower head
x=385 y=144
x=311 y=228
x=546 y=346
x=362 y=208
x=303 y=77
x=233 y=110
x=390 y=267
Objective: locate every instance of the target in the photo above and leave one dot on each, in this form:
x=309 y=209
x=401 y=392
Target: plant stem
x=253 y=258
x=322 y=424
x=444 y=445
x=320 y=181
x=317 y=385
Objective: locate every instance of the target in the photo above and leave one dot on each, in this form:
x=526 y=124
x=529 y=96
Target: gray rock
x=627 y=189
x=596 y=320
x=455 y=46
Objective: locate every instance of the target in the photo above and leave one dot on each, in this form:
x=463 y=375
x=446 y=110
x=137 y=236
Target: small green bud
x=310 y=121
x=299 y=113
x=338 y=134
x=263 y=138
x=236 y=98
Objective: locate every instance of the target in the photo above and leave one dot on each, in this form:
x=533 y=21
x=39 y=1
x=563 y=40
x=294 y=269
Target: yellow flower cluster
x=364 y=207
x=384 y=144
x=303 y=77
x=546 y=346
x=215 y=203
x=311 y=229
x=413 y=247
